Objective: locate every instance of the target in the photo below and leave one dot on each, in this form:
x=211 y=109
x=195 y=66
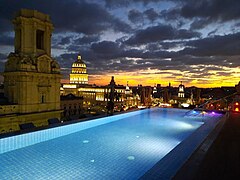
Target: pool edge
x=162 y=169
x=198 y=155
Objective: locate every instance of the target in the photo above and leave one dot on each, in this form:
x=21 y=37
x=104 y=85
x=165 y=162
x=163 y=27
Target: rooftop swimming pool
x=124 y=146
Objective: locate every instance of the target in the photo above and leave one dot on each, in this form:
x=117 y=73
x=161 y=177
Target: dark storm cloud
x=106 y=48
x=153 y=46
x=3 y=59
x=227 y=45
x=66 y=60
x=6 y=39
x=203 y=12
x=6 y=25
x=125 y=3
x=151 y=14
x=77 y=16
x=170 y=45
x=222 y=10
x=200 y=23
x=160 y=33
x=171 y=14
x=135 y=16
x=212 y=32
x=89 y=22
x=87 y=39
x=65 y=40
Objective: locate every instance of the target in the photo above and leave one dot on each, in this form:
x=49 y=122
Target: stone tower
x=32 y=76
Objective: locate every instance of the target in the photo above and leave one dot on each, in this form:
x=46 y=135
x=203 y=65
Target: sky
x=140 y=41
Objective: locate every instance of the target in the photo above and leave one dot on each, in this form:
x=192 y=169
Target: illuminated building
x=31 y=75
x=154 y=89
x=127 y=91
x=92 y=94
x=79 y=72
x=181 y=93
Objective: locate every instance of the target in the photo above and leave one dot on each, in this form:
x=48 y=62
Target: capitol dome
x=79 y=72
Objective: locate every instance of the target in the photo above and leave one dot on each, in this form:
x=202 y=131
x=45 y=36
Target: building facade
x=181 y=93
x=92 y=95
x=31 y=75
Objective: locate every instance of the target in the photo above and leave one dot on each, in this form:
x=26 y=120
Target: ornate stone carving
x=55 y=67
x=43 y=64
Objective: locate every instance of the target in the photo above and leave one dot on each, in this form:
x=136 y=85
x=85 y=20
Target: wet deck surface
x=222 y=160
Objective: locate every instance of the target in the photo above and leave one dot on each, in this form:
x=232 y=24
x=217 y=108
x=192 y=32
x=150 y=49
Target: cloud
x=200 y=23
x=160 y=33
x=222 y=10
x=163 y=35
x=126 y=3
x=151 y=14
x=227 y=45
x=107 y=49
x=65 y=40
x=6 y=39
x=203 y=12
x=88 y=39
x=3 y=59
x=135 y=16
x=76 y=16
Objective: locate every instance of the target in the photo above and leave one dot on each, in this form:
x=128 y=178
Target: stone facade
x=31 y=76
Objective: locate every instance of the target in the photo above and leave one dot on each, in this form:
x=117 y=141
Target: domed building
x=79 y=72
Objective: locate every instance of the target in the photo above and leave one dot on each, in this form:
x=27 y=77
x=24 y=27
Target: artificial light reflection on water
x=155 y=146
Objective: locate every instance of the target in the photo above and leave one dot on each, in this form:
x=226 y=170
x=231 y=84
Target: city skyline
x=143 y=41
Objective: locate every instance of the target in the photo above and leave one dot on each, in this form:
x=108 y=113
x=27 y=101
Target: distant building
x=127 y=91
x=79 y=72
x=92 y=95
x=238 y=88
x=181 y=93
x=71 y=105
x=31 y=75
x=146 y=95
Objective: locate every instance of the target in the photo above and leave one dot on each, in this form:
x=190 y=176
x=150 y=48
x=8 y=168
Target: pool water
x=123 y=149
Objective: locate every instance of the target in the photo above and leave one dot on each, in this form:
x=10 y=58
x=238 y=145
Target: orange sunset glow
x=152 y=77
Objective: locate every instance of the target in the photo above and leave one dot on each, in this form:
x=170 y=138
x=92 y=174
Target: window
x=42 y=98
x=40 y=39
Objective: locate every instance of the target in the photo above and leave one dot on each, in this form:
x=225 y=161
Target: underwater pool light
x=85 y=141
x=131 y=158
